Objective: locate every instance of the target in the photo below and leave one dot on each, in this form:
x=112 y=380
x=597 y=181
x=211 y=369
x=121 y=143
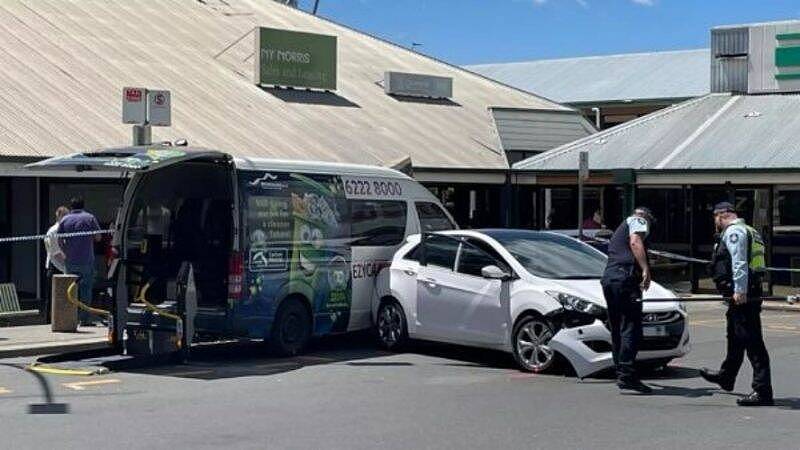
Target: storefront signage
x=417 y=85
x=296 y=59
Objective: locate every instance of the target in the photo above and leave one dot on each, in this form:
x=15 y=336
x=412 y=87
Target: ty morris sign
x=293 y=58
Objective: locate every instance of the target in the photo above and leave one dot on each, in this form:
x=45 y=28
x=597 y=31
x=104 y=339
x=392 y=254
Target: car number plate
x=658 y=330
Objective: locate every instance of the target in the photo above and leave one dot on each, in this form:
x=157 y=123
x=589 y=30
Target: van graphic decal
x=298 y=244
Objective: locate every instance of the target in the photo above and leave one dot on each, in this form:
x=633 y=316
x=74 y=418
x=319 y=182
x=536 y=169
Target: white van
x=281 y=250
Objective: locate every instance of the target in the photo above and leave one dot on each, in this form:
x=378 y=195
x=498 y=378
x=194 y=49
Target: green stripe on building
x=787 y=76
x=787 y=36
x=787 y=56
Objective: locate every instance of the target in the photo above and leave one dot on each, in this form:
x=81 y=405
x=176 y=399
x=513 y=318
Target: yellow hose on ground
x=162 y=312
x=72 y=298
x=153 y=308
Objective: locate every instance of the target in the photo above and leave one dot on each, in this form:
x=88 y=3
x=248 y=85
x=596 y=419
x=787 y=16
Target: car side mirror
x=495 y=273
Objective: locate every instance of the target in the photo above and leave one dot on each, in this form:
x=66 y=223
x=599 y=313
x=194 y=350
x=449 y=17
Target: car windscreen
x=550 y=255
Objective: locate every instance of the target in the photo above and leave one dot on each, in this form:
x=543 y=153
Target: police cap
x=723 y=207
x=646 y=213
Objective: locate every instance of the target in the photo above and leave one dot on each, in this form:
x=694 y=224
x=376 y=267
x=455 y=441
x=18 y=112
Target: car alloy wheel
x=392 y=331
x=531 y=345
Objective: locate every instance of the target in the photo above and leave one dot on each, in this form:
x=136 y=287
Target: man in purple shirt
x=79 y=251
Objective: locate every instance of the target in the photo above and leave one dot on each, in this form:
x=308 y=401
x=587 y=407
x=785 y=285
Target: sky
x=483 y=31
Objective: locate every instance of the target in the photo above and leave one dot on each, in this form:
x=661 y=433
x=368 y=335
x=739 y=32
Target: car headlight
x=573 y=303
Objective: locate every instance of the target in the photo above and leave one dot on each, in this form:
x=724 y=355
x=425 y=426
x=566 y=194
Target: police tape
x=790 y=299
x=689 y=259
x=37 y=237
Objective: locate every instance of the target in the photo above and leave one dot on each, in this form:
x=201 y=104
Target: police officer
x=627 y=274
x=737 y=267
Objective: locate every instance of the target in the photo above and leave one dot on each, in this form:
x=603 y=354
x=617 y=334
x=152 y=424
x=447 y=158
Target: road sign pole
x=583 y=174
x=142 y=135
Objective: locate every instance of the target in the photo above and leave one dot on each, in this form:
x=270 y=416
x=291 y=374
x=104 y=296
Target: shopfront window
x=786 y=239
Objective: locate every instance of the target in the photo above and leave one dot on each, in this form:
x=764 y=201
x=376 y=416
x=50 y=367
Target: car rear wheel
x=291 y=329
x=531 y=341
x=391 y=327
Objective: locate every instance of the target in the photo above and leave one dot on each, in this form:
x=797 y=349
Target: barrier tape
x=37 y=237
x=682 y=258
x=790 y=299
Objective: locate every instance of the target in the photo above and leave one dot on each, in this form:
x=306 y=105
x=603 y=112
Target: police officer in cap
x=626 y=276
x=737 y=267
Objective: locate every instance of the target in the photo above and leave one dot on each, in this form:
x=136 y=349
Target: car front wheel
x=392 y=328
x=531 y=341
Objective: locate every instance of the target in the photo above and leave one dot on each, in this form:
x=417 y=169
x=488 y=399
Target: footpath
x=34 y=340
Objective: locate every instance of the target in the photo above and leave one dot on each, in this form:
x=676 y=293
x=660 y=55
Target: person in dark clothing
x=79 y=251
x=626 y=276
x=736 y=267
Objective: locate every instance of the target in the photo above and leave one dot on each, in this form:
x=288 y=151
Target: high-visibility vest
x=756 y=250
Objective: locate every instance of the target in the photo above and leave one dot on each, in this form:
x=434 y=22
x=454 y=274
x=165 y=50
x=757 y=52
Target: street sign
x=134 y=105
x=159 y=108
x=583 y=166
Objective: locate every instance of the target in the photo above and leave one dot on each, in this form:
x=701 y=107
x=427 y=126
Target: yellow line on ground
x=5 y=391
x=81 y=385
x=60 y=371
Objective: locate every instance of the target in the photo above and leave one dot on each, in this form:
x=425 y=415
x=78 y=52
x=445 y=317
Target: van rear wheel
x=291 y=329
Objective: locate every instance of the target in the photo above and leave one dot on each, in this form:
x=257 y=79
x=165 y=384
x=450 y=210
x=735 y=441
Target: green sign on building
x=787 y=56
x=293 y=58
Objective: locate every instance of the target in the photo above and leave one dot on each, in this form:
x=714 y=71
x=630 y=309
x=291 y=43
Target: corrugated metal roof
x=538 y=131
x=597 y=79
x=63 y=65
x=717 y=131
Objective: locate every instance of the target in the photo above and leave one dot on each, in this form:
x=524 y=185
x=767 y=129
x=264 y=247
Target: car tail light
x=235 y=276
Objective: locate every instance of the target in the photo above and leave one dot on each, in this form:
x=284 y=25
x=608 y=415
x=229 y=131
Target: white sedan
x=532 y=294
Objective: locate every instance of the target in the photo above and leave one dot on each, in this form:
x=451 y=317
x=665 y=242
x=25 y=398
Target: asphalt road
x=347 y=395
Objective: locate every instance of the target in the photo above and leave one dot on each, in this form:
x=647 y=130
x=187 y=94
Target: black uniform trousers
x=744 y=336
x=623 y=300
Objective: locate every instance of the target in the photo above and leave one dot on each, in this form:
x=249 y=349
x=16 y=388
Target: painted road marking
x=81 y=385
x=5 y=391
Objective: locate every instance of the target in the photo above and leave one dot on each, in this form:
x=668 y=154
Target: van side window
x=432 y=217
x=377 y=222
x=440 y=251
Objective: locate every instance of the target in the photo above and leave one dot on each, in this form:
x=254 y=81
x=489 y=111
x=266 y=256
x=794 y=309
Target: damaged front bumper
x=588 y=347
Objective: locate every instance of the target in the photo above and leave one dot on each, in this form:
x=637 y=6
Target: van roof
x=317 y=167
x=246 y=163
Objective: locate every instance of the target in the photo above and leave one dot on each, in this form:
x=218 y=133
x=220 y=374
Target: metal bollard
x=64 y=315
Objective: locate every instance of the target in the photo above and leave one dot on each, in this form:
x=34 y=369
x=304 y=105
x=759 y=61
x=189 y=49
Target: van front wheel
x=291 y=329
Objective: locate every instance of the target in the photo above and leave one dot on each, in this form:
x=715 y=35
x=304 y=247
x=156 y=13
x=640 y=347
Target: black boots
x=713 y=376
x=755 y=399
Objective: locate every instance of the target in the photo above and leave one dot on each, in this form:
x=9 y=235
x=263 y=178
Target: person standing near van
x=736 y=268
x=626 y=276
x=79 y=251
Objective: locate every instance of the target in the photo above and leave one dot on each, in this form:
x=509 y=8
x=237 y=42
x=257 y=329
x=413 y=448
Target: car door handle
x=430 y=282
x=410 y=272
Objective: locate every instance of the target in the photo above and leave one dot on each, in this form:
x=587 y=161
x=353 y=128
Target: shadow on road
x=791 y=403
x=245 y=359
x=677 y=391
